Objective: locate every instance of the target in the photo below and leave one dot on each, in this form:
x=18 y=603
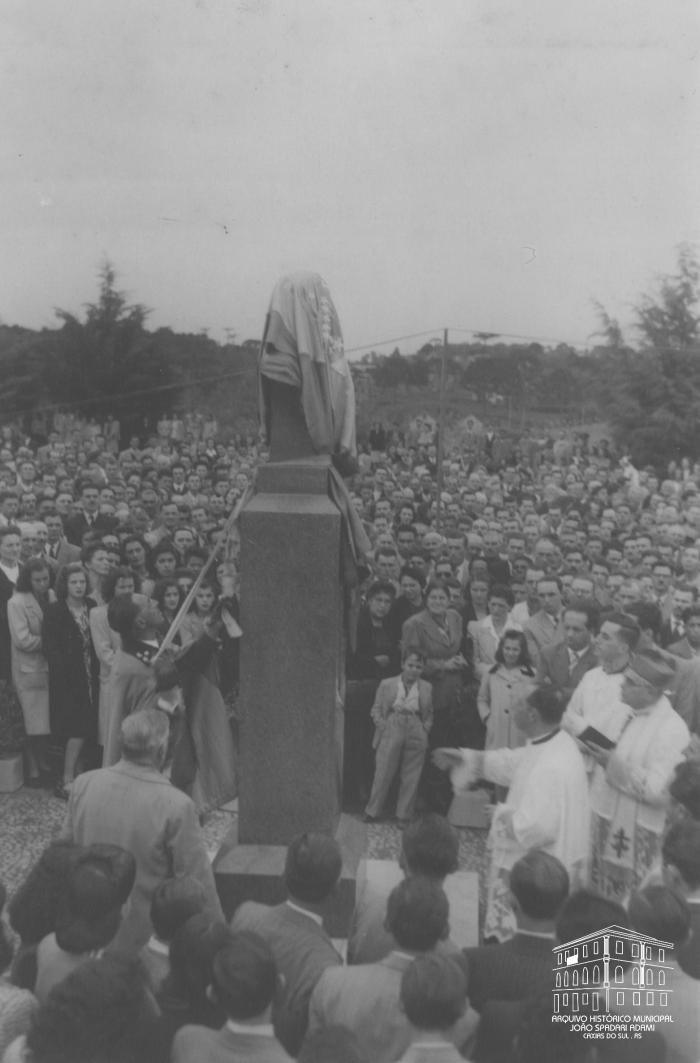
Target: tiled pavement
x=29 y=819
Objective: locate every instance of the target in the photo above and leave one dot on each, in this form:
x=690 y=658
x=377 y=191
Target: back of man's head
x=548 y=703
x=417 y=914
x=174 y=902
x=245 y=976
x=685 y=787
x=681 y=852
x=90 y=913
x=660 y=913
x=145 y=736
x=433 y=992
x=312 y=867
x=586 y=912
x=540 y=885
x=430 y=847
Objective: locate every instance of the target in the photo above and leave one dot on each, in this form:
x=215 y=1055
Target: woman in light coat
x=508 y=681
x=119 y=583
x=30 y=669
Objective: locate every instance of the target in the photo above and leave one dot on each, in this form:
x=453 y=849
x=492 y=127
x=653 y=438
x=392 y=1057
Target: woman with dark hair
x=183 y=998
x=136 y=557
x=118 y=583
x=476 y=597
x=486 y=634
x=375 y=656
x=202 y=612
x=102 y=1012
x=436 y=634
x=30 y=668
x=508 y=680
x=168 y=595
x=73 y=669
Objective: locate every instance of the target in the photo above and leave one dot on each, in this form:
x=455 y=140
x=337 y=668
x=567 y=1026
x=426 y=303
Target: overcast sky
x=492 y=165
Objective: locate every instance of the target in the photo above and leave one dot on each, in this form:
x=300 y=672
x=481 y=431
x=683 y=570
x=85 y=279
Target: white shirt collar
x=157 y=946
x=264 y=1029
x=305 y=911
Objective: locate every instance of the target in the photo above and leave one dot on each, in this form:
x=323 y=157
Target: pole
x=184 y=608
x=441 y=430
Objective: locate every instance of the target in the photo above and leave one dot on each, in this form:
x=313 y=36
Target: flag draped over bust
x=302 y=347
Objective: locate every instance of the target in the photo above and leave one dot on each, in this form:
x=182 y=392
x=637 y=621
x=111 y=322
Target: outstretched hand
x=445 y=759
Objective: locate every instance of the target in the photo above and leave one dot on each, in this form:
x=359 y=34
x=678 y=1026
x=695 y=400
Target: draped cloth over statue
x=302 y=347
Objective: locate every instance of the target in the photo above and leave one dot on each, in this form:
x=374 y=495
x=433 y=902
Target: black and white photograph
x=350 y=531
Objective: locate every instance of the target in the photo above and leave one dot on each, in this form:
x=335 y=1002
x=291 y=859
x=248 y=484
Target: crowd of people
x=528 y=624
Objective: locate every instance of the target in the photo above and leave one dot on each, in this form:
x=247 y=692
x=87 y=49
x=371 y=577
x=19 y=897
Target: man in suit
x=89 y=518
x=133 y=805
x=433 y=999
x=520 y=968
x=688 y=648
x=564 y=664
x=294 y=931
x=366 y=998
x=244 y=983
x=662 y=578
x=545 y=627
x=403 y=715
x=673 y=629
x=430 y=849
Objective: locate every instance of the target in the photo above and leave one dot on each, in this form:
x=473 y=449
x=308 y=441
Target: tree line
x=647 y=385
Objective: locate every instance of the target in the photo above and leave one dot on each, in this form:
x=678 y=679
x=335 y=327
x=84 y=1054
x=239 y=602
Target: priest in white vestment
x=596 y=700
x=630 y=786
x=546 y=807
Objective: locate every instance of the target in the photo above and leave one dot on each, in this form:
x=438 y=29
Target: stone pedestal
x=11 y=773
x=291 y=656
x=291 y=665
x=254 y=873
x=378 y=878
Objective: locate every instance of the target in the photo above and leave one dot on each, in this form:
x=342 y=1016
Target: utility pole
x=441 y=430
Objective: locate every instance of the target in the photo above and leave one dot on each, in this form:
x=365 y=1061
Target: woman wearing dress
x=436 y=633
x=204 y=759
x=73 y=669
x=30 y=668
x=118 y=583
x=506 y=683
x=486 y=634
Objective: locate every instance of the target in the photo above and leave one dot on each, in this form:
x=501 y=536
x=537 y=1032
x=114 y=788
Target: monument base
x=378 y=877
x=256 y=873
